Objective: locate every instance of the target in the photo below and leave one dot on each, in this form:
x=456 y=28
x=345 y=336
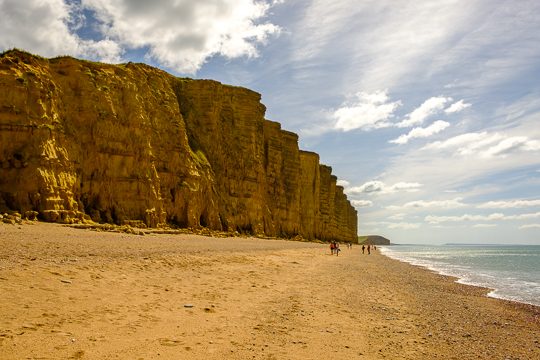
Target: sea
x=512 y=272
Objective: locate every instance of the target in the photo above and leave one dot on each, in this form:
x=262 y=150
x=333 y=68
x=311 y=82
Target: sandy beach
x=79 y=294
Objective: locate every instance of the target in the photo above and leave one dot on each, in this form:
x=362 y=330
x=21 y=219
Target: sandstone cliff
x=82 y=141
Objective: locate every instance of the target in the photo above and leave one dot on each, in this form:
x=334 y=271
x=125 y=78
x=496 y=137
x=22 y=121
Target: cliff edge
x=131 y=144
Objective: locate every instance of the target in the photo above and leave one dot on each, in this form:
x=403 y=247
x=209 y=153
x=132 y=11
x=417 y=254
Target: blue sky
x=427 y=111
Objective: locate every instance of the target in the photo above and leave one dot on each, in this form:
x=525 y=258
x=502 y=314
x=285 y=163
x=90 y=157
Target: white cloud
x=343 y=183
x=404 y=186
x=403 y=225
x=46 y=27
x=180 y=35
x=430 y=107
x=530 y=226
x=397 y=217
x=375 y=186
x=492 y=217
x=523 y=216
x=484 y=225
x=367 y=111
x=464 y=144
x=485 y=144
x=361 y=203
x=509 y=204
x=440 y=219
x=428 y=40
x=103 y=50
x=512 y=144
x=419 y=132
x=421 y=204
x=457 y=107
x=494 y=49
x=392 y=225
x=367 y=33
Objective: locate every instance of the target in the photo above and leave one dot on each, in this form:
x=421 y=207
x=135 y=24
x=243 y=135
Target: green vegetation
x=15 y=50
x=362 y=239
x=196 y=152
x=200 y=158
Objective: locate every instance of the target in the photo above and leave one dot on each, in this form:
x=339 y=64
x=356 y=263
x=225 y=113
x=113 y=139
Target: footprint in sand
x=170 y=342
x=78 y=355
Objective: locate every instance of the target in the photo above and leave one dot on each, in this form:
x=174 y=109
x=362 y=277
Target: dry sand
x=79 y=294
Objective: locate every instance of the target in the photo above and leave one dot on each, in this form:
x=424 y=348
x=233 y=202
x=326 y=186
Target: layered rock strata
x=131 y=144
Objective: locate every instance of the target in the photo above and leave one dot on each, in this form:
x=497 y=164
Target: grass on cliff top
x=23 y=53
x=19 y=52
x=187 y=79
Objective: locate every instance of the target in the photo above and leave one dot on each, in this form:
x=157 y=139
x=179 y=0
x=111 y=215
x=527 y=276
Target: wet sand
x=80 y=294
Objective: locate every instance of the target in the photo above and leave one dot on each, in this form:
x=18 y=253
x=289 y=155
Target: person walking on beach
x=332 y=248
x=363 y=248
x=337 y=249
x=368 y=250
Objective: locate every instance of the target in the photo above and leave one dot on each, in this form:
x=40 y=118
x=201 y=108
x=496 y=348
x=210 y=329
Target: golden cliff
x=131 y=144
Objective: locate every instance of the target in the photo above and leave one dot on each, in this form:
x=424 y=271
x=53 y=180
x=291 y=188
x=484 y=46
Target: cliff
x=131 y=144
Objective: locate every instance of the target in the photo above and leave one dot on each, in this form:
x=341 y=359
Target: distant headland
x=373 y=240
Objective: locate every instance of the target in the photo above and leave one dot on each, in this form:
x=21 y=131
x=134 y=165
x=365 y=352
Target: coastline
x=467 y=274
x=71 y=293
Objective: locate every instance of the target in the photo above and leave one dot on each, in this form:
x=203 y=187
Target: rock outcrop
x=131 y=144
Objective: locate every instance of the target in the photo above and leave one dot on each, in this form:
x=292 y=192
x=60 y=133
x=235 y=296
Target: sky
x=427 y=111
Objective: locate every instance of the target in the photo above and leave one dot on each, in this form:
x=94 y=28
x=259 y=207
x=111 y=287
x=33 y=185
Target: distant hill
x=373 y=240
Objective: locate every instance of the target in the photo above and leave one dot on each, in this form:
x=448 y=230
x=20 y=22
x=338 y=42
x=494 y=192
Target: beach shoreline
x=72 y=293
x=467 y=274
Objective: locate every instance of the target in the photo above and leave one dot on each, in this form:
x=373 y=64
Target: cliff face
x=133 y=144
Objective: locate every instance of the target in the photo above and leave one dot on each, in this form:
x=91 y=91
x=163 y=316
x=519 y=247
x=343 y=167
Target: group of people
x=334 y=247
x=368 y=248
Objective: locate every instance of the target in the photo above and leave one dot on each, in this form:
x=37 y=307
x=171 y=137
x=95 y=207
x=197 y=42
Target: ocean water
x=512 y=272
